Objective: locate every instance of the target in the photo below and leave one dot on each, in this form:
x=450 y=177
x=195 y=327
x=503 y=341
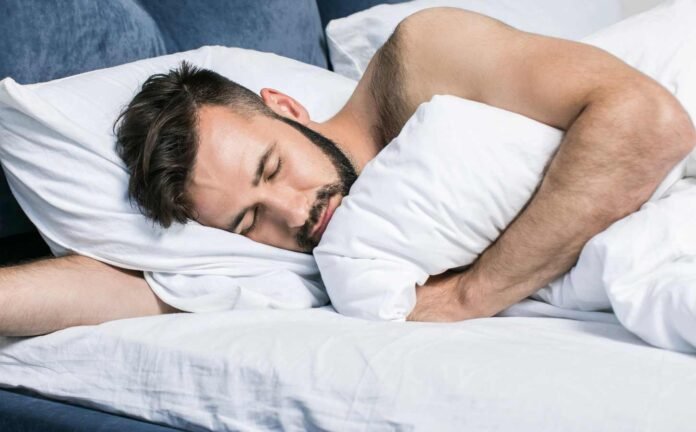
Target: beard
x=347 y=175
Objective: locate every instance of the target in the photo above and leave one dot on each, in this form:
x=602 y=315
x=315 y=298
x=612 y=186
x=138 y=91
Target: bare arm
x=51 y=294
x=584 y=191
x=624 y=132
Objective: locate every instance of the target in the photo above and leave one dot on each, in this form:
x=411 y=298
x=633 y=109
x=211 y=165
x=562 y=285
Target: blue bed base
x=21 y=412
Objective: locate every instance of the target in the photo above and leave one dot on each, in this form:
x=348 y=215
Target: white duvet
x=459 y=173
x=644 y=268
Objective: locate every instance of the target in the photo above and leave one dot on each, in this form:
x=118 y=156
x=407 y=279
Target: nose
x=289 y=205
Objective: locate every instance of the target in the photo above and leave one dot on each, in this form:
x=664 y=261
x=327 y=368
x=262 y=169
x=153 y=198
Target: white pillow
x=57 y=149
x=353 y=40
x=432 y=200
x=456 y=176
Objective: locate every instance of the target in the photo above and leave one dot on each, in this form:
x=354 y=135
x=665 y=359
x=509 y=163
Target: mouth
x=320 y=227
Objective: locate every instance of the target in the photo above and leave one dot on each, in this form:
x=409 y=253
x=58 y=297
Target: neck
x=352 y=130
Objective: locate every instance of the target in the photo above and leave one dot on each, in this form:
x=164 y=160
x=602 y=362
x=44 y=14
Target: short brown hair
x=156 y=136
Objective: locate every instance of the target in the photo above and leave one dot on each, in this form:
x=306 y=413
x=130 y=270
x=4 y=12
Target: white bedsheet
x=318 y=370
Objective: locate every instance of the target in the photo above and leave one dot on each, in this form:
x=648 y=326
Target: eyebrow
x=257 y=179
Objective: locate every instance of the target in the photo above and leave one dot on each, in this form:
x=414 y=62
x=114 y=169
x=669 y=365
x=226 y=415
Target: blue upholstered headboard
x=43 y=40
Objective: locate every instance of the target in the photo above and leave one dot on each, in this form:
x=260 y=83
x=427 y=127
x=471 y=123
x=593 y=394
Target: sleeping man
x=200 y=147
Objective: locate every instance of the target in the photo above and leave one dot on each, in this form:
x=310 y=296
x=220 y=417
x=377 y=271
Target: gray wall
x=634 y=6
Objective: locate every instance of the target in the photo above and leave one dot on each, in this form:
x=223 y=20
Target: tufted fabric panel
x=288 y=28
x=44 y=40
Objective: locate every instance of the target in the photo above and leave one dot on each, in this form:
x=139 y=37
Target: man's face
x=274 y=181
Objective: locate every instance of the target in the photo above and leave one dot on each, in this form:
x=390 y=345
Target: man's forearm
x=611 y=160
x=52 y=294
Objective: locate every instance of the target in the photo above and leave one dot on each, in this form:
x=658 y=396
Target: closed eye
x=253 y=223
x=270 y=177
x=277 y=170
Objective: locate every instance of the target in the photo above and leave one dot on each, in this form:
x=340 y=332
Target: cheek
x=270 y=233
x=310 y=167
x=204 y=213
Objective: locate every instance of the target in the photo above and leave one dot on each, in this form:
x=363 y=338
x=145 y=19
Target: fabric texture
x=41 y=41
x=355 y=39
x=318 y=370
x=289 y=28
x=57 y=149
x=459 y=172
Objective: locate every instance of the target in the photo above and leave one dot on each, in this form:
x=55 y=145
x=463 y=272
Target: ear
x=284 y=105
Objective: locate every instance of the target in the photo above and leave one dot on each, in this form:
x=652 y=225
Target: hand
x=443 y=299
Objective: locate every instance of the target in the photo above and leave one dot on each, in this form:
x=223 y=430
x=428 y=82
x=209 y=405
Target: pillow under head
x=57 y=149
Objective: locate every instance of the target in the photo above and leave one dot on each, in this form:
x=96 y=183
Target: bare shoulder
x=436 y=17
x=465 y=54
x=400 y=75
x=431 y=38
x=456 y=52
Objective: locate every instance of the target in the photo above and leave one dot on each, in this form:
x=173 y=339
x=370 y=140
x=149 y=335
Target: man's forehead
x=219 y=123
x=224 y=137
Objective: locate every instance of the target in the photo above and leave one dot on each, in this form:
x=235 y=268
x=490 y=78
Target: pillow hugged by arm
x=624 y=132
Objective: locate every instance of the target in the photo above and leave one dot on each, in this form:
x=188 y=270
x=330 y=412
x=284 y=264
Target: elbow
x=660 y=135
x=671 y=128
x=656 y=133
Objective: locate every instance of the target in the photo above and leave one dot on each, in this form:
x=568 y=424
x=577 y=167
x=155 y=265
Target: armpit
x=386 y=87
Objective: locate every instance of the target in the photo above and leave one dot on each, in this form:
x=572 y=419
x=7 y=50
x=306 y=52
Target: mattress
x=318 y=370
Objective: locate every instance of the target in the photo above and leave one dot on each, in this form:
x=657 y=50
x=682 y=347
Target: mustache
x=303 y=238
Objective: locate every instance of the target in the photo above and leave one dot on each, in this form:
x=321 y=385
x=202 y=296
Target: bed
x=47 y=40
x=535 y=367
x=318 y=370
